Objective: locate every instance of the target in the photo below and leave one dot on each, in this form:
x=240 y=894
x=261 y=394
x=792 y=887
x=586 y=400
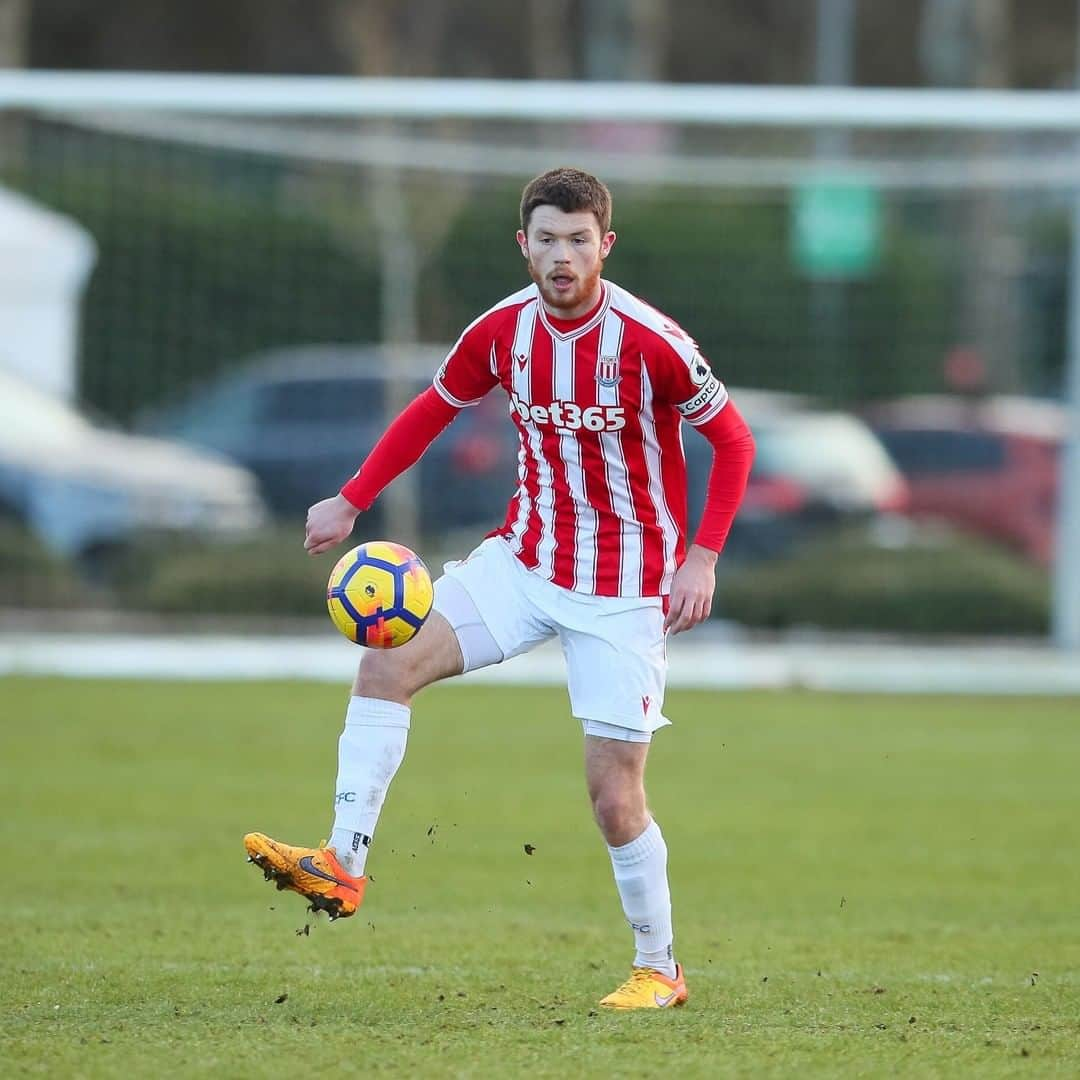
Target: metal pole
x=835 y=30
x=398 y=309
x=1066 y=594
x=546 y=101
x=833 y=66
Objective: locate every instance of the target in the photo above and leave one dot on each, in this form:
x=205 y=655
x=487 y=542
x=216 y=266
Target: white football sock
x=641 y=876
x=370 y=750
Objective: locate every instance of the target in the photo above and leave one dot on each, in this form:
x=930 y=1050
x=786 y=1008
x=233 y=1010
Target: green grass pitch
x=863 y=886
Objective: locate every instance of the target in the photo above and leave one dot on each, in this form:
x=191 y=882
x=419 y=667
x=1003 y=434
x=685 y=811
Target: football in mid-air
x=379 y=594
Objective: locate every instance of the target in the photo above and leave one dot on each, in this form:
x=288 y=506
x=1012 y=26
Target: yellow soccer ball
x=379 y=594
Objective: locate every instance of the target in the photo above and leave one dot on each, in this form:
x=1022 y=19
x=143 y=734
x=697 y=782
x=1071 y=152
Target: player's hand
x=692 y=590
x=328 y=523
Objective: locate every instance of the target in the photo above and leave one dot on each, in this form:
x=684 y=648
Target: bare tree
x=365 y=31
x=993 y=298
x=966 y=43
x=626 y=39
x=383 y=37
x=551 y=39
x=14 y=29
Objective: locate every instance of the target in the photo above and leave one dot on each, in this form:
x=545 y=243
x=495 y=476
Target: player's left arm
x=695 y=581
x=703 y=402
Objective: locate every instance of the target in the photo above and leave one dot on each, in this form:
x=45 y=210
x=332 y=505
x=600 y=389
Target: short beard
x=556 y=300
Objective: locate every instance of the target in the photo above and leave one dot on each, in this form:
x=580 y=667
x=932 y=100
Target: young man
x=592 y=550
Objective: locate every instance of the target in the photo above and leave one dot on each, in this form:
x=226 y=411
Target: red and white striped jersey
x=600 y=505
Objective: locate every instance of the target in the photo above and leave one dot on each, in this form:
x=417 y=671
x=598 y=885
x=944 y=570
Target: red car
x=813 y=468
x=987 y=465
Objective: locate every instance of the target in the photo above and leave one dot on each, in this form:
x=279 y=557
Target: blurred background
x=208 y=312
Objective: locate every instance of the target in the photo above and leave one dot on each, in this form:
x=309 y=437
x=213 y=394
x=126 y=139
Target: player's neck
x=584 y=312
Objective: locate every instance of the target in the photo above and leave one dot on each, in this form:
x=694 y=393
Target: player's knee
x=397 y=674
x=619 y=811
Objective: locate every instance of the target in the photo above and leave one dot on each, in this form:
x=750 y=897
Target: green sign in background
x=836 y=228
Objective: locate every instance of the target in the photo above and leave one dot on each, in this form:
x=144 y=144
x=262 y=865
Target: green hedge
x=31 y=577
x=269 y=576
x=208 y=256
x=843 y=582
x=720 y=264
x=204 y=257
x=846 y=582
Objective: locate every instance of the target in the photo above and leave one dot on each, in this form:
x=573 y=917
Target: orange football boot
x=648 y=989
x=314 y=873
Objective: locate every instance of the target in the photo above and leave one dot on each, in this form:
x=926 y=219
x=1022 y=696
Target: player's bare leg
x=615 y=774
x=370 y=750
x=397 y=674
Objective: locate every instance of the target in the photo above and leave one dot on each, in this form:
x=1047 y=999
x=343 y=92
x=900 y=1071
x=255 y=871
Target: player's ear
x=607 y=242
x=523 y=243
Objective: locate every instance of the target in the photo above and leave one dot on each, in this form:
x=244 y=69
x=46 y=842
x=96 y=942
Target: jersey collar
x=589 y=320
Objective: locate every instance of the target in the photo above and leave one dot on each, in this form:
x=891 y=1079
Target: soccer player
x=592 y=551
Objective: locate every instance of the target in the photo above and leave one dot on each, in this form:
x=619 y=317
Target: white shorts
x=615 y=649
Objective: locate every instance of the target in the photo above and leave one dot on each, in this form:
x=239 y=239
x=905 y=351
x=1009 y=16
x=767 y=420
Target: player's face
x=565 y=254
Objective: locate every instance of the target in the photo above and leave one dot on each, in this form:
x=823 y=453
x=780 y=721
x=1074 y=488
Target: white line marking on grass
x=713 y=658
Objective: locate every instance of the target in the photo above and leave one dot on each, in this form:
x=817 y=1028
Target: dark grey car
x=302 y=419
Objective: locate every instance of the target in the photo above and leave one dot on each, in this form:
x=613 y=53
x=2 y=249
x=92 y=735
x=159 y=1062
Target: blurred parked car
x=86 y=490
x=987 y=465
x=302 y=419
x=812 y=468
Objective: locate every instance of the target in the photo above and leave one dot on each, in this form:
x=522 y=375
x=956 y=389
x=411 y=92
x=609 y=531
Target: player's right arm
x=465 y=376
x=401 y=446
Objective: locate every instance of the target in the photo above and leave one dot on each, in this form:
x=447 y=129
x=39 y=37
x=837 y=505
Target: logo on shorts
x=607 y=372
x=645 y=702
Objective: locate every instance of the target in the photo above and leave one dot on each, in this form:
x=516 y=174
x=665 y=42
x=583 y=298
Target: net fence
x=268 y=290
